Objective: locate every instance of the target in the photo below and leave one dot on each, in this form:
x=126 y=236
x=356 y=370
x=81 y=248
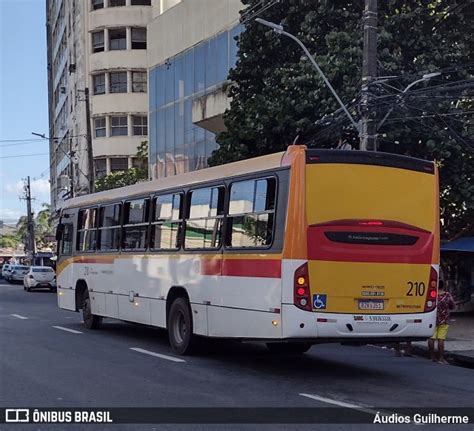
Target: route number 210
x=416 y=288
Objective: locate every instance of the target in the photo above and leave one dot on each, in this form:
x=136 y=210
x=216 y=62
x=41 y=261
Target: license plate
x=44 y=284
x=371 y=305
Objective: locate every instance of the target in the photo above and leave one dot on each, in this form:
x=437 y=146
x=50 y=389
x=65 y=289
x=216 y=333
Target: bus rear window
x=375 y=238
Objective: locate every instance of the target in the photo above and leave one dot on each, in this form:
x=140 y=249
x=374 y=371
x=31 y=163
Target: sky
x=23 y=105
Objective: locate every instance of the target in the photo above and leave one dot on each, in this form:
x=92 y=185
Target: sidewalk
x=460 y=342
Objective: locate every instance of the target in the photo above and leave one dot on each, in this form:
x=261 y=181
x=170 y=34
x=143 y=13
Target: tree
x=276 y=94
x=43 y=226
x=22 y=229
x=129 y=176
x=8 y=241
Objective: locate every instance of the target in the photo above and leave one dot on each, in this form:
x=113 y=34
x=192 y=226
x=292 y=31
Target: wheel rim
x=179 y=327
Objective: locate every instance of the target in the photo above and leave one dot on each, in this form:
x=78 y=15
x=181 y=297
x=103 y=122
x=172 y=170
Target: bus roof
x=242 y=167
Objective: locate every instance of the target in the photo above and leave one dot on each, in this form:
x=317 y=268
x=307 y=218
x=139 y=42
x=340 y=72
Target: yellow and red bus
x=296 y=248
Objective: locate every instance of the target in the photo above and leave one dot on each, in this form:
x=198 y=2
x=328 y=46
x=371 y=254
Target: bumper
x=349 y=328
x=34 y=283
x=15 y=277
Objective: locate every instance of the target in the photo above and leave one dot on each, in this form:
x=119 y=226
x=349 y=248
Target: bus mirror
x=59 y=232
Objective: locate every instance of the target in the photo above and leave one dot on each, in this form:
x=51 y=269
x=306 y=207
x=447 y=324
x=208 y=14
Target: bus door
x=64 y=266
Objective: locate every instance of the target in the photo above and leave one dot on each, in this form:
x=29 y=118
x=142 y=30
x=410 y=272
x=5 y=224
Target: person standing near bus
x=445 y=304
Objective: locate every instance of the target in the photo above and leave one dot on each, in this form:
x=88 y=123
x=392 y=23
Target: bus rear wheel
x=180 y=327
x=91 y=321
x=288 y=348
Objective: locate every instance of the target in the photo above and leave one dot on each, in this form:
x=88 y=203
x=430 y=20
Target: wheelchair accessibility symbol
x=319 y=301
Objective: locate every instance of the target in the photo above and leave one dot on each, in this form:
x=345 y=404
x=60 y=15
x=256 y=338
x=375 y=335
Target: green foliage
x=276 y=93
x=128 y=177
x=43 y=225
x=121 y=179
x=8 y=241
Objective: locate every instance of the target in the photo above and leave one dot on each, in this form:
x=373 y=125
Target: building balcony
x=122 y=16
x=208 y=110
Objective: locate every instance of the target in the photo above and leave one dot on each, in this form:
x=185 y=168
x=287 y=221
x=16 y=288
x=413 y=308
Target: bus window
x=251 y=213
x=66 y=240
x=135 y=224
x=166 y=222
x=87 y=230
x=109 y=227
x=206 y=212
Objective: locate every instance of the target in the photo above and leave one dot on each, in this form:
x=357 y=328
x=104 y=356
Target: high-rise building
x=191 y=49
x=99 y=45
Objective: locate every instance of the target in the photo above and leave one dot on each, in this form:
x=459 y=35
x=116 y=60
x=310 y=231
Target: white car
x=39 y=277
x=16 y=273
x=5 y=268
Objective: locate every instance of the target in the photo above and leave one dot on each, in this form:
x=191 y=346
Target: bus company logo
x=17 y=415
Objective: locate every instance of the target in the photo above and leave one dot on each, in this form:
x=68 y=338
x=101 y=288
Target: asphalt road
x=48 y=359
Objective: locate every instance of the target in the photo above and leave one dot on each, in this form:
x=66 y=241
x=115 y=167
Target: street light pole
x=279 y=29
x=425 y=77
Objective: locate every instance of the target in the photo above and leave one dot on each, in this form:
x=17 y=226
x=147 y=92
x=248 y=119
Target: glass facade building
x=176 y=144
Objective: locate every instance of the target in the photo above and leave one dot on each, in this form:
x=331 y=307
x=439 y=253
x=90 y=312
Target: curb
x=454 y=358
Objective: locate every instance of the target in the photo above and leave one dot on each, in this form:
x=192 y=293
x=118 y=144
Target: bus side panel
x=240 y=323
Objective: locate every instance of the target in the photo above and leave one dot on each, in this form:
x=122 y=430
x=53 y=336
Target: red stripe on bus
x=211 y=266
x=321 y=248
x=105 y=261
x=265 y=268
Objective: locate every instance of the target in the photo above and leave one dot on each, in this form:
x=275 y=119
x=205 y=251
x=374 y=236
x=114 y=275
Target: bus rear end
x=372 y=247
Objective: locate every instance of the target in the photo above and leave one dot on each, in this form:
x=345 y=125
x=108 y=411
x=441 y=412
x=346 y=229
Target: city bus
x=292 y=249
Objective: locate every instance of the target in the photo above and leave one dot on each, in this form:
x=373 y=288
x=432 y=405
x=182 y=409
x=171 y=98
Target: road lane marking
x=18 y=316
x=158 y=355
x=73 y=331
x=359 y=407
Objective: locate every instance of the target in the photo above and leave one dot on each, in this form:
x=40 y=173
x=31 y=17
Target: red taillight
x=371 y=223
x=302 y=294
x=430 y=303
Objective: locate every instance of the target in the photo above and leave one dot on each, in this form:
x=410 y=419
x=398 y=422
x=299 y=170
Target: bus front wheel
x=288 y=348
x=180 y=327
x=91 y=321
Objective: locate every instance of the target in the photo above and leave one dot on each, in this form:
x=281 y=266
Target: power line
x=24 y=155
x=18 y=143
x=430 y=116
x=21 y=140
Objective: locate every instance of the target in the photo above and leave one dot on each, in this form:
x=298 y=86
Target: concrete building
x=100 y=45
x=191 y=48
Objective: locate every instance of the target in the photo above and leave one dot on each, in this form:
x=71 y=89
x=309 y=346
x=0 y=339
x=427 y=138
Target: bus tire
x=288 y=348
x=91 y=321
x=180 y=327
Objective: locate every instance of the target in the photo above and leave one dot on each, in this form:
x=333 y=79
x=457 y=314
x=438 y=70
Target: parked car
x=5 y=268
x=40 y=277
x=17 y=272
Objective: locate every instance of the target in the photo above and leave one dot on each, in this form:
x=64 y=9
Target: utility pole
x=71 y=167
x=29 y=218
x=369 y=72
x=90 y=154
